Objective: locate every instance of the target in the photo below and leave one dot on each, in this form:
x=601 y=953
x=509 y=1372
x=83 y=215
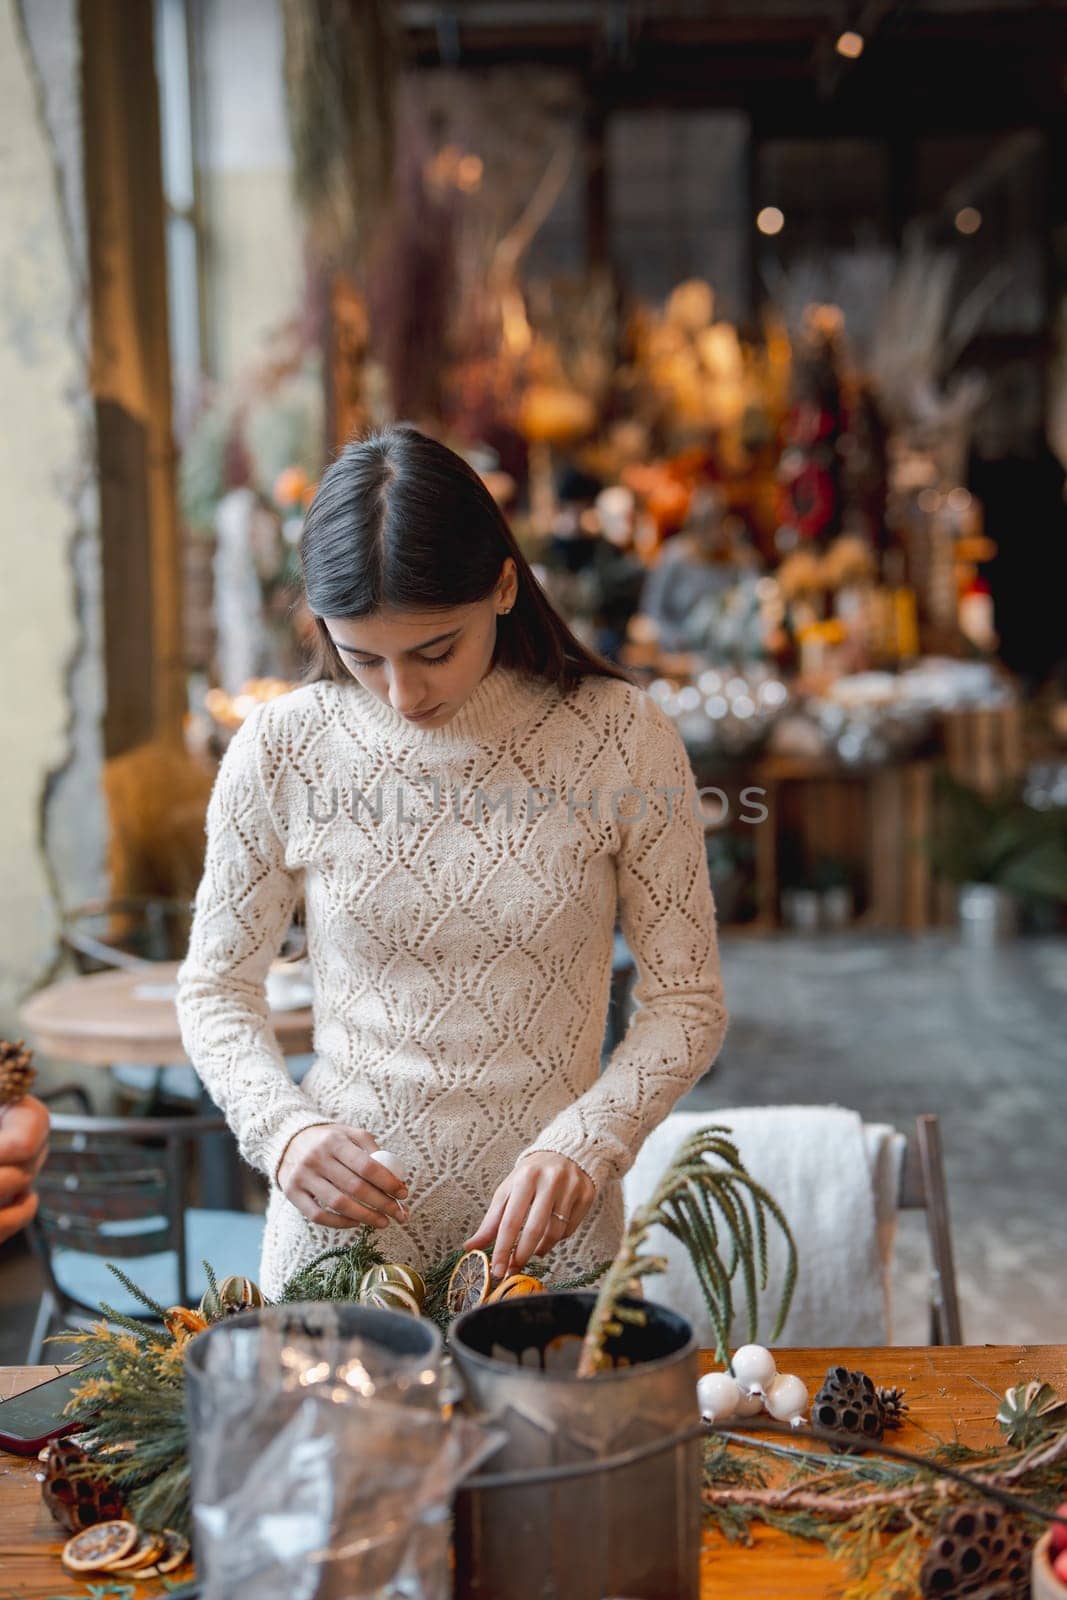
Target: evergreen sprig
x=437 y=1280
x=132 y=1408
x=211 y=1303
x=709 y=1202
x=131 y=1400
x=873 y=1512
x=153 y=1306
x=334 y=1274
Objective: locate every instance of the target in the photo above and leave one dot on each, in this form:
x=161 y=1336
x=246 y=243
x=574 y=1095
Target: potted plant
x=1001 y=854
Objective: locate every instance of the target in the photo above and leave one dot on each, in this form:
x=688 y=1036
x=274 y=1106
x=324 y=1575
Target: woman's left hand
x=542 y=1200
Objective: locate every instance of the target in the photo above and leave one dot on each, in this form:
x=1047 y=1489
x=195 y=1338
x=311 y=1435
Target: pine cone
x=848 y=1403
x=17 y=1071
x=77 y=1499
x=894 y=1407
x=979 y=1552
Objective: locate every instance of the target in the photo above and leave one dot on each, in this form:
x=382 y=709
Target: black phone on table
x=30 y=1419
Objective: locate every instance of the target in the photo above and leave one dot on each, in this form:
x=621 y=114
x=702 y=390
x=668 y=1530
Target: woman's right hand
x=329 y=1174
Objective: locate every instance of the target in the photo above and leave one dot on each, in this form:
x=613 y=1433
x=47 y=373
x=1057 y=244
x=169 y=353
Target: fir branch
x=877 y=1509
x=435 y=1306
x=164 y=1502
x=334 y=1274
x=1042 y=1455
x=158 y=1311
x=584 y=1280
x=142 y=1331
x=827 y=1505
x=211 y=1303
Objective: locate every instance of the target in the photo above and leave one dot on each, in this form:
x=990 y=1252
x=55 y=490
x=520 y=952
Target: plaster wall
x=52 y=827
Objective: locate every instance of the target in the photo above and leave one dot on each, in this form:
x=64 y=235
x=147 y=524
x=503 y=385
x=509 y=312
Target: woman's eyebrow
x=357 y=650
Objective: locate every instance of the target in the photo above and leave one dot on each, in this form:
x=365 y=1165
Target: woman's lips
x=421 y=716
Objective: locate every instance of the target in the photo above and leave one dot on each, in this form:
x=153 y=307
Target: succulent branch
x=708 y=1201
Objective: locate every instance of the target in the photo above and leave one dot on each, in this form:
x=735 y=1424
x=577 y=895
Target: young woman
x=466 y=799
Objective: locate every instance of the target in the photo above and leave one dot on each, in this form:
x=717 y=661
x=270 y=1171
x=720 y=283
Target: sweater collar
x=503 y=701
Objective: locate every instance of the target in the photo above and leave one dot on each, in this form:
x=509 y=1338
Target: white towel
x=836 y=1182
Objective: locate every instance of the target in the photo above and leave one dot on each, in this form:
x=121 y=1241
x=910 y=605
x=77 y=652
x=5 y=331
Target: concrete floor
x=891 y=1027
x=894 y=1027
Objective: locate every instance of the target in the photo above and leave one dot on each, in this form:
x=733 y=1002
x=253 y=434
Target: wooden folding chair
x=922 y=1188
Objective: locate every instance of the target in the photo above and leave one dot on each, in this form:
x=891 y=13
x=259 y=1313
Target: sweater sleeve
x=668 y=919
x=243 y=908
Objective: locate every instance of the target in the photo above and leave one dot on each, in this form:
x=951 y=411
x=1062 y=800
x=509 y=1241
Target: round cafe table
x=127 y=1017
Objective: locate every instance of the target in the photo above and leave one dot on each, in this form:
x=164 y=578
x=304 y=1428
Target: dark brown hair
x=401 y=521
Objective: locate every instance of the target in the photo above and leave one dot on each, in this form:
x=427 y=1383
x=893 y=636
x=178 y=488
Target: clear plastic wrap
x=324 y=1456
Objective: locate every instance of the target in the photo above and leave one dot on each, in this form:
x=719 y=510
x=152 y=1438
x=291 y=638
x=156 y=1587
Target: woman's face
x=424 y=664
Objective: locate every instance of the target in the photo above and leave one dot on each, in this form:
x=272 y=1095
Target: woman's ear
x=507 y=589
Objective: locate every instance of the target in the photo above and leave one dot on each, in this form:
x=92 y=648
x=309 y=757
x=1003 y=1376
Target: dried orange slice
x=392 y=1297
x=98 y=1547
x=388 y=1273
x=469 y=1283
x=175 y=1551
x=180 y=1319
x=519 y=1283
x=145 y=1553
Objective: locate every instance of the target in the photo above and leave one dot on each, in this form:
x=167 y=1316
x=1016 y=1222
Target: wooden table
x=948 y=1391
x=128 y=1018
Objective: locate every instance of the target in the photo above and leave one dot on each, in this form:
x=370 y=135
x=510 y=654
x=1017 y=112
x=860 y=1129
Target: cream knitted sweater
x=461 y=887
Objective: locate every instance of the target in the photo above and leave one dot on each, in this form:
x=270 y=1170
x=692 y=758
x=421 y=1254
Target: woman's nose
x=405 y=691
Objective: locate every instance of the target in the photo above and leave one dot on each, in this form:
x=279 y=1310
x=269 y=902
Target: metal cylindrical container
x=596 y=1492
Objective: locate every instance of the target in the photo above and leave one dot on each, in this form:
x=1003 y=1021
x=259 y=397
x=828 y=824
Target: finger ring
x=560 y=1216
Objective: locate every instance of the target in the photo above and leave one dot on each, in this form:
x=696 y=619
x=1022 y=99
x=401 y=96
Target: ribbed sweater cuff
x=597 y=1168
x=266 y=1154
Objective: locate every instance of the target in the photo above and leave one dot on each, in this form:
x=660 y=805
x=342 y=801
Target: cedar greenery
x=134 y=1409
x=707 y=1200
x=336 y=1275
x=877 y=1512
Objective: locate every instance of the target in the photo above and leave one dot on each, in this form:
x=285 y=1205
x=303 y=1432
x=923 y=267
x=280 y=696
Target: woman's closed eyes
x=429 y=661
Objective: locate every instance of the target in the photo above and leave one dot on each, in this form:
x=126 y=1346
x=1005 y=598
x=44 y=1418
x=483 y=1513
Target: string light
x=850 y=45
x=770 y=221
x=969 y=220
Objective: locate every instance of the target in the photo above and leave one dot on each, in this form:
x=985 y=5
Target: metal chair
x=118 y=1189
x=130 y=933
x=66 y=1091
x=923 y=1188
